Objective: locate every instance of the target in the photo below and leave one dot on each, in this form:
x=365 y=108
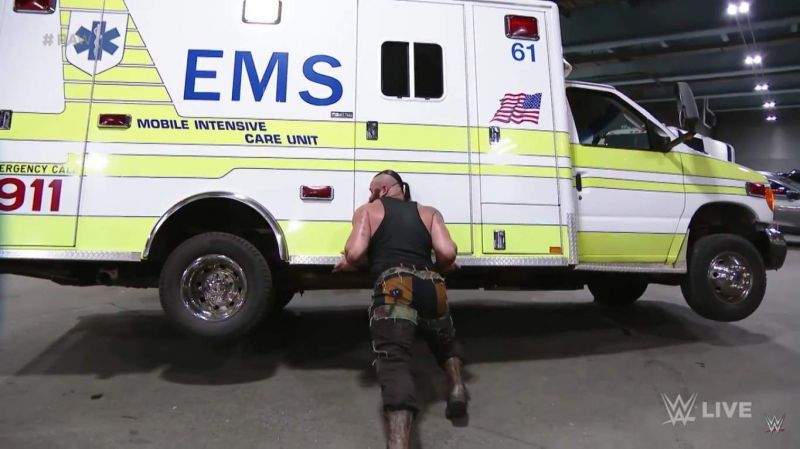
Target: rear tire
x=618 y=291
x=216 y=286
x=727 y=279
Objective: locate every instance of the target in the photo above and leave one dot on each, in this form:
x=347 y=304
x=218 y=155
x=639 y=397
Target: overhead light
x=769 y=105
x=762 y=87
x=771 y=118
x=744 y=7
x=735 y=9
x=753 y=59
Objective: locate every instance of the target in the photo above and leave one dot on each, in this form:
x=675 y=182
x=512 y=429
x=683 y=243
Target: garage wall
x=761 y=145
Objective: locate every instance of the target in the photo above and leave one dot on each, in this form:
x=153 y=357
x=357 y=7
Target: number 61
x=518 y=52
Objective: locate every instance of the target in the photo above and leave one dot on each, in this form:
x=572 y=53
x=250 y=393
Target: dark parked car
x=794 y=175
x=787 y=203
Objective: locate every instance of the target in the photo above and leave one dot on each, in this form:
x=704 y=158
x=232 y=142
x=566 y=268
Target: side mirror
x=688 y=114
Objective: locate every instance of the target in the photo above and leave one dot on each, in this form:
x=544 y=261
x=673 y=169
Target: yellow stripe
x=72 y=73
x=523 y=240
x=64 y=16
x=130 y=75
x=632 y=160
x=77 y=91
x=696 y=165
x=305 y=238
x=141 y=57
x=21 y=230
x=519 y=141
x=624 y=184
x=563 y=147
x=520 y=170
x=600 y=247
x=134 y=39
x=82 y=4
x=719 y=190
x=139 y=93
x=413 y=167
x=198 y=167
x=217 y=167
x=414 y=137
x=330 y=134
x=70 y=125
x=115 y=5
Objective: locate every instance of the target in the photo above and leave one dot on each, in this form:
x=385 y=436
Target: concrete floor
x=101 y=368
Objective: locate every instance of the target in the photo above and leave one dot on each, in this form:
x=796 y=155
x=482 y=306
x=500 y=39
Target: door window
x=604 y=120
x=396 y=70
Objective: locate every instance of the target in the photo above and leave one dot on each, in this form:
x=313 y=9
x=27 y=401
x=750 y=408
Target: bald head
x=384 y=185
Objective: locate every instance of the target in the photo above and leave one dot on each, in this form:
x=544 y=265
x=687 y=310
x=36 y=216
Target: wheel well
x=723 y=218
x=215 y=215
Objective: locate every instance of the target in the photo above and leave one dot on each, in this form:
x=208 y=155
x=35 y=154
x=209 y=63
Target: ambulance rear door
x=411 y=106
x=516 y=88
x=46 y=76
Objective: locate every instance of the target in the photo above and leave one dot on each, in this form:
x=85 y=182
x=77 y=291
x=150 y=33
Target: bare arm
x=443 y=245
x=355 y=251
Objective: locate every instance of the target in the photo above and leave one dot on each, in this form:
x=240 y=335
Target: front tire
x=216 y=286
x=727 y=279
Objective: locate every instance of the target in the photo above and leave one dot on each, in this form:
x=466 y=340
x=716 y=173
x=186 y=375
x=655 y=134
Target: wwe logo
x=775 y=424
x=679 y=411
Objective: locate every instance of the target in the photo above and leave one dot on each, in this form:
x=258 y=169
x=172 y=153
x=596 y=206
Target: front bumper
x=772 y=245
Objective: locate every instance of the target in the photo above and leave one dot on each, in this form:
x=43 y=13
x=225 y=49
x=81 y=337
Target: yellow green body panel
x=629 y=160
x=37 y=230
x=623 y=247
x=101 y=234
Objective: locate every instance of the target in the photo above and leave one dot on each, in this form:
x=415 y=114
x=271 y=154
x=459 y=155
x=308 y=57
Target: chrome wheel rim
x=730 y=277
x=214 y=287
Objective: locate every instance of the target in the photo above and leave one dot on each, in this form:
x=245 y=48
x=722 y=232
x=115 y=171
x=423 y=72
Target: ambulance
x=216 y=149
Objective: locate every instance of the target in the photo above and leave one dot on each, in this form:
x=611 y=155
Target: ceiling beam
x=759 y=108
x=770 y=93
x=705 y=76
x=638 y=53
x=711 y=32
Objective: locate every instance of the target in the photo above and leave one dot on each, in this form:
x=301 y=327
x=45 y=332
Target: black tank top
x=401 y=238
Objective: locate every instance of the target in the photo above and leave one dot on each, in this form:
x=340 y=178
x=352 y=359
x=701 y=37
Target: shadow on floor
x=108 y=345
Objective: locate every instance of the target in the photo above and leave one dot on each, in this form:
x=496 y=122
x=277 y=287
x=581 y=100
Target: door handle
x=494 y=134
x=579 y=182
x=372 y=130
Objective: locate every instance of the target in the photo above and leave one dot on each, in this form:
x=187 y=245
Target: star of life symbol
x=679 y=410
x=97 y=41
x=100 y=43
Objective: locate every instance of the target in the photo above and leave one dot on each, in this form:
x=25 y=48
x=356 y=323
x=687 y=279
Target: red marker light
x=316 y=193
x=36 y=6
x=118 y=121
x=761 y=191
x=522 y=27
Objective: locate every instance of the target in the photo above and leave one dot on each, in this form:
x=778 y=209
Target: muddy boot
x=457 y=395
x=398 y=424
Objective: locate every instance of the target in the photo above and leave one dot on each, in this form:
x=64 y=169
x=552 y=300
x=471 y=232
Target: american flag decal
x=519 y=108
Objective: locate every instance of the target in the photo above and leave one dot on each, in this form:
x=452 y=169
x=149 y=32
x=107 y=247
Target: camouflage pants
x=406 y=301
